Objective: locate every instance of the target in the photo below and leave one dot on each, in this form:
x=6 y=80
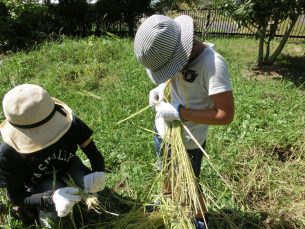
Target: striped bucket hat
x=163 y=45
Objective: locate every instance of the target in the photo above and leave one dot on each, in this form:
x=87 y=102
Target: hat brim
x=34 y=139
x=182 y=54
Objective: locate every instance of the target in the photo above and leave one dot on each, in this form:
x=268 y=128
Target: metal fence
x=209 y=22
x=212 y=23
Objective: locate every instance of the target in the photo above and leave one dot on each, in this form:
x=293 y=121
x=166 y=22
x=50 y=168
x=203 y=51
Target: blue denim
x=195 y=155
x=199 y=224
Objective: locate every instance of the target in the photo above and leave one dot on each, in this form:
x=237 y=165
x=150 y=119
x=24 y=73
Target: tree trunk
x=262 y=35
x=267 y=53
x=272 y=33
x=206 y=26
x=284 y=40
x=131 y=27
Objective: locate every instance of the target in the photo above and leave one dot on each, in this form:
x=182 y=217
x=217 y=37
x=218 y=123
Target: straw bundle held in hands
x=183 y=203
x=177 y=209
x=179 y=173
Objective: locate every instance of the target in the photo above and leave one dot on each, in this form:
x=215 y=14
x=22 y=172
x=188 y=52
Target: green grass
x=259 y=154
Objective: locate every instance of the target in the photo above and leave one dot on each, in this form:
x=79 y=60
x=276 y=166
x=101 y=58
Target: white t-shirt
x=206 y=75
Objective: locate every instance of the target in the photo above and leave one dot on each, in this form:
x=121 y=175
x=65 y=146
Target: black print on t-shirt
x=55 y=161
x=189 y=75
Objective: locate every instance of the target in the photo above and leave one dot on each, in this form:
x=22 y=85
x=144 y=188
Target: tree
x=123 y=10
x=131 y=9
x=5 y=25
x=73 y=14
x=164 y=6
x=23 y=23
x=265 y=17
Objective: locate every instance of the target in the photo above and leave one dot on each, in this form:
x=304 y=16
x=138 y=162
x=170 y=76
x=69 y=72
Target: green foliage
x=265 y=18
x=123 y=10
x=259 y=13
x=5 y=25
x=72 y=14
x=173 y=5
x=24 y=24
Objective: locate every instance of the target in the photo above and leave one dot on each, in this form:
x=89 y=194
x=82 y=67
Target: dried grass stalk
x=185 y=197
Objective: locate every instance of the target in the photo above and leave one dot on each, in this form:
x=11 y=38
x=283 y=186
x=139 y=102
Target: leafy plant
x=265 y=18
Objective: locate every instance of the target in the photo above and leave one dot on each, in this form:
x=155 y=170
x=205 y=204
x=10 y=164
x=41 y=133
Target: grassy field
x=260 y=155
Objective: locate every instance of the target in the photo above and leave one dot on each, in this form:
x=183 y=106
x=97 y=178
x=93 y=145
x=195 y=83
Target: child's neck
x=198 y=48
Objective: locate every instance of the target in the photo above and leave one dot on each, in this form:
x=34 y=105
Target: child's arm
x=94 y=155
x=221 y=114
x=95 y=181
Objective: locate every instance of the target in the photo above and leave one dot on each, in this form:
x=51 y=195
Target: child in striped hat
x=200 y=86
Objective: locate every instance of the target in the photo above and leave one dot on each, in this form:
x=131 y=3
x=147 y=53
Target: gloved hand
x=156 y=95
x=64 y=200
x=169 y=111
x=94 y=182
x=162 y=126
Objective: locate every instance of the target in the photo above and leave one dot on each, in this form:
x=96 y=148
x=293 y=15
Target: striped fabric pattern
x=163 y=45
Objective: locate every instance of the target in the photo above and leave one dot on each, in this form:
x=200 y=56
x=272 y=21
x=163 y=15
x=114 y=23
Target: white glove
x=94 y=182
x=161 y=126
x=169 y=111
x=156 y=95
x=64 y=200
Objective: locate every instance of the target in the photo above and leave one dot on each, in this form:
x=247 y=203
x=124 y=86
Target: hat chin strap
x=57 y=107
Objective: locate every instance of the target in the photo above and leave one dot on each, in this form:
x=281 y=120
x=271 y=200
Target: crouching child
x=40 y=136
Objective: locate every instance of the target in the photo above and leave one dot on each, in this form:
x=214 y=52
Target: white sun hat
x=163 y=45
x=34 y=120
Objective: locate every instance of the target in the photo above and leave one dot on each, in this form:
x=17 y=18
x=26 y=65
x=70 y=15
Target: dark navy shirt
x=20 y=171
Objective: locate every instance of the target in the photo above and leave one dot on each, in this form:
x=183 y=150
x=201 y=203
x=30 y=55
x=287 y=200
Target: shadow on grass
x=224 y=219
x=292 y=68
x=287 y=67
x=115 y=207
x=118 y=207
x=230 y=218
x=112 y=205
